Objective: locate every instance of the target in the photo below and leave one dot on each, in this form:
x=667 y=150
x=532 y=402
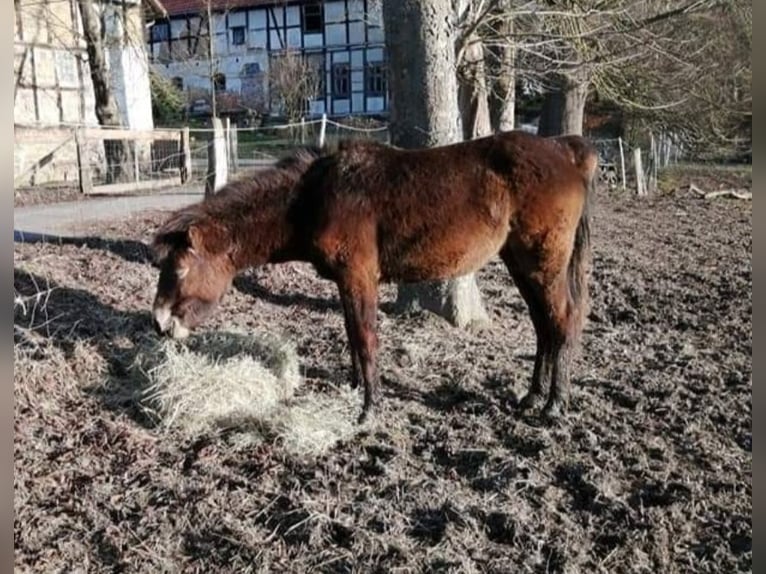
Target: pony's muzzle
x=162 y=320
x=157 y=327
x=168 y=325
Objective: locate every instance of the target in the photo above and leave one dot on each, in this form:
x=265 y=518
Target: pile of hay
x=239 y=381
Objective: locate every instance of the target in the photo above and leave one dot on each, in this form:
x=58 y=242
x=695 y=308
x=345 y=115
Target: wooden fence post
x=653 y=161
x=136 y=164
x=233 y=149
x=640 y=181
x=622 y=163
x=217 y=163
x=185 y=163
x=322 y=130
x=86 y=179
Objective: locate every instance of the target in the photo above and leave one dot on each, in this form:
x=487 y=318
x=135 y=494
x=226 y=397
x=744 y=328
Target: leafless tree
x=473 y=83
x=569 y=48
x=693 y=76
x=118 y=153
x=293 y=81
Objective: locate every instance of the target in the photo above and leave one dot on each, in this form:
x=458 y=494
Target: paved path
x=71 y=218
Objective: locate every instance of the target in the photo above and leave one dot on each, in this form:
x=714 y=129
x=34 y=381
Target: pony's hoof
x=530 y=401
x=365 y=417
x=552 y=412
x=354 y=383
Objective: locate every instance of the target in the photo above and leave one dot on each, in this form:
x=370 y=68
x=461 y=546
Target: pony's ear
x=166 y=243
x=189 y=228
x=173 y=234
x=209 y=237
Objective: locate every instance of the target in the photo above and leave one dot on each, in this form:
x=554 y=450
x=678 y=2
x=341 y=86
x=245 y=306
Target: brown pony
x=371 y=213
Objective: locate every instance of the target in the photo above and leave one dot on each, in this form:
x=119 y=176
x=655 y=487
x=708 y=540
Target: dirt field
x=650 y=472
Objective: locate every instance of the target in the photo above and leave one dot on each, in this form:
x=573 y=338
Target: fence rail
x=171 y=157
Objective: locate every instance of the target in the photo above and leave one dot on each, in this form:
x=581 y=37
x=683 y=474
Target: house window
x=219 y=82
x=341 y=83
x=238 y=35
x=160 y=32
x=316 y=65
x=251 y=69
x=375 y=79
x=66 y=68
x=312 y=18
x=178 y=83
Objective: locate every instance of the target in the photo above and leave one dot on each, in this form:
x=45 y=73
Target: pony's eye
x=181 y=272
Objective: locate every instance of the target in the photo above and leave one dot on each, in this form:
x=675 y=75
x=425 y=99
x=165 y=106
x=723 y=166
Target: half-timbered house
x=229 y=46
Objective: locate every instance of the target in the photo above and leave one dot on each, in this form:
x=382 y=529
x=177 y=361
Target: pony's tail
x=580 y=261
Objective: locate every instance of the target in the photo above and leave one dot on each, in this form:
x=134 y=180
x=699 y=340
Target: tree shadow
x=451 y=396
x=128 y=249
x=501 y=388
x=66 y=317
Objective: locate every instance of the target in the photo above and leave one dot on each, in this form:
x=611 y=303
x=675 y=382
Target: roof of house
x=156 y=8
x=178 y=7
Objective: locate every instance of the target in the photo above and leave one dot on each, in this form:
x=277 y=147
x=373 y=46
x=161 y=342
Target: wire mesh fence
x=629 y=165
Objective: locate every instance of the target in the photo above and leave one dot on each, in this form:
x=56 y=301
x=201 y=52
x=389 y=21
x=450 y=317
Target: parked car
x=199 y=108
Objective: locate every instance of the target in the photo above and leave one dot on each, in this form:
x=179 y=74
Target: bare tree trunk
x=424 y=113
x=473 y=96
x=211 y=58
x=501 y=61
x=564 y=107
x=118 y=154
x=419 y=39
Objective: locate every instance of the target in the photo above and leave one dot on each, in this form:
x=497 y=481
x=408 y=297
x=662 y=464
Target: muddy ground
x=650 y=471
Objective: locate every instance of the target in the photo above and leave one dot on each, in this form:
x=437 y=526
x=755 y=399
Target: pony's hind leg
x=356 y=368
x=360 y=304
x=555 y=325
x=564 y=326
x=555 y=317
x=567 y=299
x=534 y=298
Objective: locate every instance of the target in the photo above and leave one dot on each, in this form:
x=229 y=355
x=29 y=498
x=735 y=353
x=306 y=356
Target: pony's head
x=194 y=255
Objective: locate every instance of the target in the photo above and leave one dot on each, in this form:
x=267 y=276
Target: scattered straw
x=314 y=424
x=243 y=382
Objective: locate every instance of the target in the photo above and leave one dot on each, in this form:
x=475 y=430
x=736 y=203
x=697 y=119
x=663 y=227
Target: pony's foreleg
x=360 y=300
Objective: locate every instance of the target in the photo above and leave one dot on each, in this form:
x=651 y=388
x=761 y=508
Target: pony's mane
x=280 y=178
x=264 y=189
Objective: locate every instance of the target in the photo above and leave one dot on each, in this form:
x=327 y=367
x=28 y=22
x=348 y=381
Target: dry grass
x=312 y=425
x=214 y=379
x=241 y=382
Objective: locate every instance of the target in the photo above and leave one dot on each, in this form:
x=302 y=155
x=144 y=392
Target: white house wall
x=55 y=91
x=128 y=64
x=134 y=95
